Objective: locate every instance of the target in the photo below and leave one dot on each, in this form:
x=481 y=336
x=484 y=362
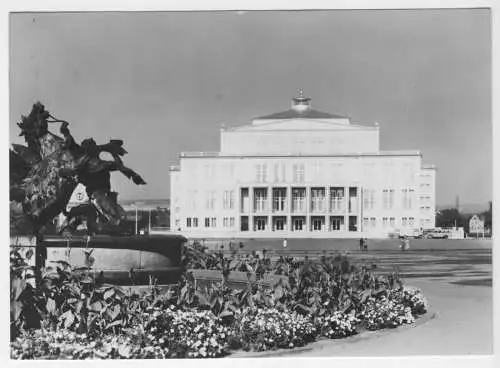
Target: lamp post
x=136 y=220
x=149 y=226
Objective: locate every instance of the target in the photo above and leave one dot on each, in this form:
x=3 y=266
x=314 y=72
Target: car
x=436 y=235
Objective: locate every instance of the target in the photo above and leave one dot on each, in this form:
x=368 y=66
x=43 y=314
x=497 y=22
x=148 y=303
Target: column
x=250 y=215
x=289 y=209
x=346 y=209
x=308 y=209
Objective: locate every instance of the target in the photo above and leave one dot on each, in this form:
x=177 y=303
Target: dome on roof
x=301 y=109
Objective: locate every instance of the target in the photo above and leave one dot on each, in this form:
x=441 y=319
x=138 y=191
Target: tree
x=450 y=217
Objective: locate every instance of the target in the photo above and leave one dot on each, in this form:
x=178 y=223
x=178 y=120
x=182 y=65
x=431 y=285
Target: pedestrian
x=365 y=245
x=285 y=243
x=407 y=243
x=361 y=244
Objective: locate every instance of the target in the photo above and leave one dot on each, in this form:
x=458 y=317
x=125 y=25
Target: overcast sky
x=165 y=81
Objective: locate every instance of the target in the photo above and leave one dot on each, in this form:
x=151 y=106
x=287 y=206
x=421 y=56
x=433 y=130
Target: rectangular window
x=261 y=171
x=231 y=222
x=336 y=199
x=411 y=222
x=407 y=195
x=392 y=221
x=318 y=199
x=279 y=223
x=195 y=221
x=225 y=222
x=210 y=199
x=213 y=222
x=188 y=222
x=373 y=222
x=298 y=173
x=385 y=222
x=279 y=199
x=260 y=223
x=404 y=222
x=298 y=199
x=385 y=199
x=337 y=223
x=260 y=199
x=369 y=199
x=228 y=200
x=207 y=221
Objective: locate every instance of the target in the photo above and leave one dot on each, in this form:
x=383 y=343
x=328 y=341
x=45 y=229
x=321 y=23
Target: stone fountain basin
x=120 y=260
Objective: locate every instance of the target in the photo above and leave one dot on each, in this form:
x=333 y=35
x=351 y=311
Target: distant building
x=302 y=173
x=476 y=225
x=78 y=197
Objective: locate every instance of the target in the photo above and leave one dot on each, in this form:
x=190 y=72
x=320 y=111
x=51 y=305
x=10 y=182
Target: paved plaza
x=455 y=276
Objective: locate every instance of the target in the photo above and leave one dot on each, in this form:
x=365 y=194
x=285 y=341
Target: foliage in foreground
x=328 y=298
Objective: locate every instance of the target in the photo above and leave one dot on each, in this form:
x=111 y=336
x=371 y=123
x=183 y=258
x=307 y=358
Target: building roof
x=305 y=114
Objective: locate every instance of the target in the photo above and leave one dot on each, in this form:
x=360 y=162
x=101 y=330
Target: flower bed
x=330 y=298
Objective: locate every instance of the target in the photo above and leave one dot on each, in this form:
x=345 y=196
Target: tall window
x=385 y=198
x=298 y=199
x=210 y=197
x=336 y=199
x=195 y=221
x=213 y=222
x=260 y=200
x=392 y=221
x=207 y=221
x=373 y=222
x=385 y=222
x=318 y=199
x=407 y=195
x=261 y=171
x=298 y=173
x=228 y=199
x=279 y=199
x=404 y=222
x=388 y=198
x=188 y=222
x=369 y=199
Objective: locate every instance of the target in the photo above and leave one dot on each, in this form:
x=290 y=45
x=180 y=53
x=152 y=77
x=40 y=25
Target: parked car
x=435 y=234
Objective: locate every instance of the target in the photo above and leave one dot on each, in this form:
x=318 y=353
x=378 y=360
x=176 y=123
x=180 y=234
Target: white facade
x=301 y=173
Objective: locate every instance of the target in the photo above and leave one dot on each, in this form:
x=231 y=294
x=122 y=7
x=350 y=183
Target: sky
x=164 y=82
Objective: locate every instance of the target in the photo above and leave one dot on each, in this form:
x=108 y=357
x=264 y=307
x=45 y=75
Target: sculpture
x=45 y=173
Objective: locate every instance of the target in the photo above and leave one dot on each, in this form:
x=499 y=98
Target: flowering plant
x=411 y=297
x=337 y=324
x=384 y=313
x=271 y=328
x=190 y=333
